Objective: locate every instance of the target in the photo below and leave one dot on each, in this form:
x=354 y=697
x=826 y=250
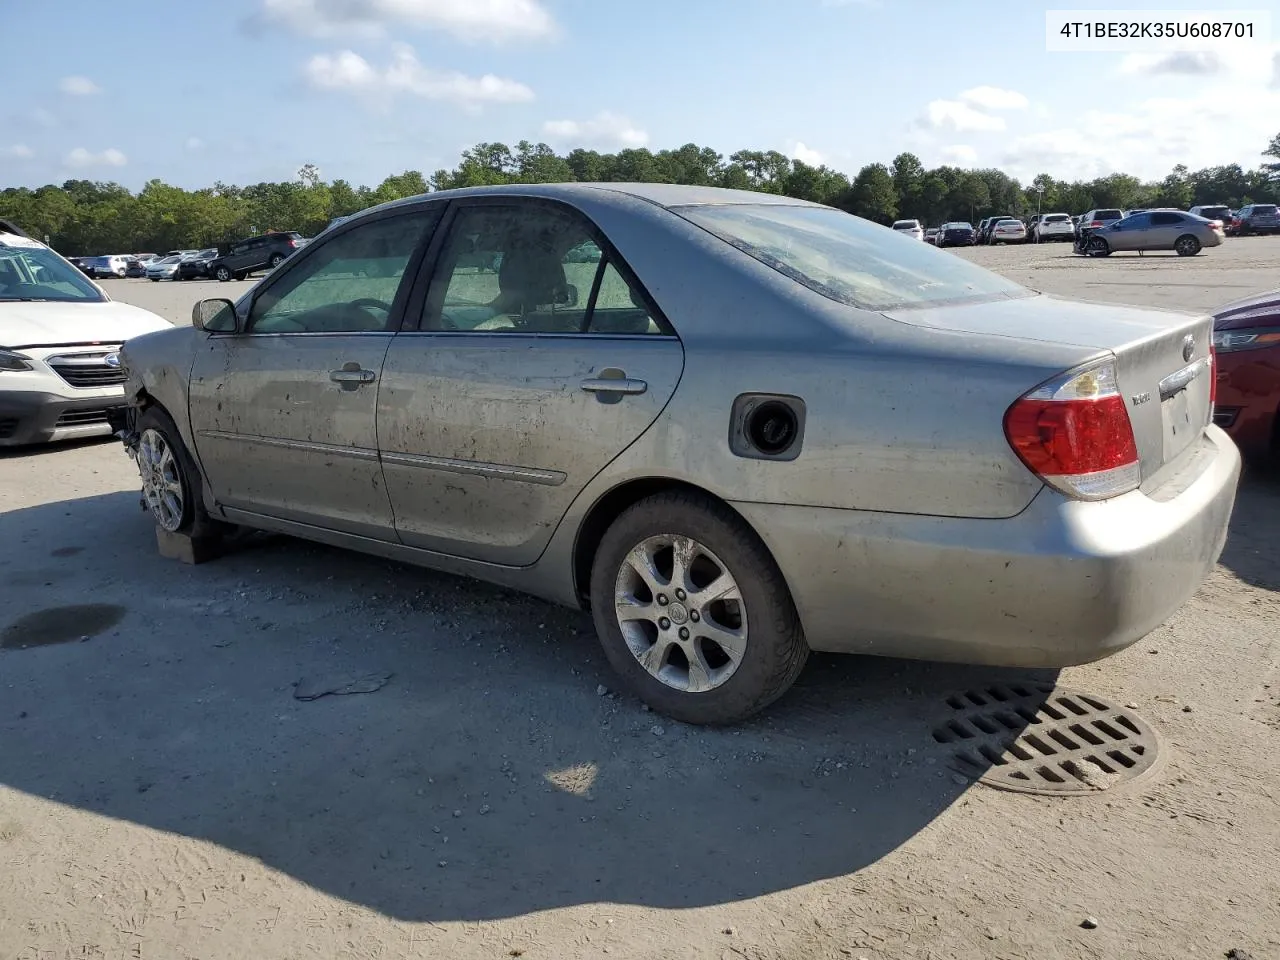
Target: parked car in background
x=1129 y=213
x=254 y=254
x=733 y=504
x=196 y=266
x=955 y=234
x=1008 y=230
x=1091 y=220
x=1053 y=226
x=1255 y=218
x=1213 y=211
x=114 y=265
x=1246 y=340
x=910 y=228
x=60 y=335
x=81 y=264
x=985 y=236
x=1184 y=233
x=931 y=235
x=164 y=268
x=136 y=269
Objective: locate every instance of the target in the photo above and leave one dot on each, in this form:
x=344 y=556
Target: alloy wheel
x=161 y=480
x=681 y=613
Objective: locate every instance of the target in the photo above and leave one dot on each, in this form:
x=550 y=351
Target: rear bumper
x=28 y=417
x=1063 y=583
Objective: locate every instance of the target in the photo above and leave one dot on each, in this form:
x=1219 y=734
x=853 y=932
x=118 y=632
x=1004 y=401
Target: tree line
x=86 y=217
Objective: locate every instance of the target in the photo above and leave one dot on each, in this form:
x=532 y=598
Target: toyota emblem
x=1188 y=348
x=113 y=359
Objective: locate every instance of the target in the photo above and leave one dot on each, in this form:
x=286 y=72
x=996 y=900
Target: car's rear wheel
x=1097 y=247
x=172 y=491
x=223 y=274
x=693 y=612
x=276 y=260
x=1186 y=246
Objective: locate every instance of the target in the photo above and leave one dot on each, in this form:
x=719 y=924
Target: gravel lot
x=164 y=795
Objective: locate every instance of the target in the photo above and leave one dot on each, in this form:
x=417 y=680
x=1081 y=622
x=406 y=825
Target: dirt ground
x=164 y=795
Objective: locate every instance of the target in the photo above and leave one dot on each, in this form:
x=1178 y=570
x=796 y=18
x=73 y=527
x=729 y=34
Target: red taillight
x=293 y=243
x=1095 y=223
x=1213 y=378
x=1074 y=433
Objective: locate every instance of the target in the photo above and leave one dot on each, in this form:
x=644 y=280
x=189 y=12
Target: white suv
x=59 y=336
x=911 y=228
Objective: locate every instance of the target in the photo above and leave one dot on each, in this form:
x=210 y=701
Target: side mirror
x=568 y=296
x=214 y=316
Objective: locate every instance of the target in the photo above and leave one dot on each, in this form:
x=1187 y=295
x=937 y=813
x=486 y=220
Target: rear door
x=519 y=385
x=1166 y=227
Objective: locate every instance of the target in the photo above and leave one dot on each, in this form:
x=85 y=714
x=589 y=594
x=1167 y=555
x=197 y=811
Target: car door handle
x=614 y=385
x=357 y=376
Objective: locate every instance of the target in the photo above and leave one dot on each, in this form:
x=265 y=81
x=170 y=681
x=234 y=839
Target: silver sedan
x=743 y=428
x=1184 y=233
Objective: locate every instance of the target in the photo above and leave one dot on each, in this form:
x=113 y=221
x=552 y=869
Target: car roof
x=661 y=194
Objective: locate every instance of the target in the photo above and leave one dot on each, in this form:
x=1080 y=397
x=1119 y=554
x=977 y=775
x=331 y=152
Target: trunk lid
x=1162 y=358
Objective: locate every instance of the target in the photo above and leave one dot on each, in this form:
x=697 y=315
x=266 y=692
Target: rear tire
x=1186 y=246
x=276 y=260
x=735 y=594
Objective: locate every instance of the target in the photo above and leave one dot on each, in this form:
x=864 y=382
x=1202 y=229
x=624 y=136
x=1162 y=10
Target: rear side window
x=1266 y=209
x=846 y=258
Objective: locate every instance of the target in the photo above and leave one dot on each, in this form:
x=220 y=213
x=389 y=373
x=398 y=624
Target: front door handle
x=615 y=385
x=352 y=376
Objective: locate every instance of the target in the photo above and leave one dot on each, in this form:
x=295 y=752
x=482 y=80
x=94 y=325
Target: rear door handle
x=620 y=385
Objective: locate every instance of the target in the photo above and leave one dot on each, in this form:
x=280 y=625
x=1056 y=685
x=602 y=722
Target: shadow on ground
x=489 y=778
x=1252 y=552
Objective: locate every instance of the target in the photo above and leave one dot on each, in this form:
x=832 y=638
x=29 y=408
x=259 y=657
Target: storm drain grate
x=1039 y=738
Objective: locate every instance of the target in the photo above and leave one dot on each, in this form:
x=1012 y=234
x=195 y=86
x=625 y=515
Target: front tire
x=172 y=491
x=1186 y=246
x=222 y=274
x=1097 y=247
x=693 y=612
x=276 y=260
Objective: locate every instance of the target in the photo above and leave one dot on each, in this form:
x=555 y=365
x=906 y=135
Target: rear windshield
x=958 y=226
x=1004 y=220
x=905 y=225
x=848 y=259
x=1057 y=218
x=1107 y=214
x=1214 y=211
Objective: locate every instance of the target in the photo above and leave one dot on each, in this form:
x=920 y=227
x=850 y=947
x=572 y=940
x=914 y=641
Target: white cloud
x=349 y=72
x=605 y=129
x=491 y=20
x=994 y=98
x=960 y=154
x=807 y=155
x=195 y=143
x=960 y=117
x=19 y=151
x=78 y=86
x=1186 y=63
x=111 y=157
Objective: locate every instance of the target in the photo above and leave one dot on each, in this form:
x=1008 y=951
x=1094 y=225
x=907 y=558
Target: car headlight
x=1229 y=341
x=9 y=360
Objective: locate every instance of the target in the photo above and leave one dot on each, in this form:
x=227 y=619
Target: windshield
x=173 y=259
x=30 y=271
x=848 y=259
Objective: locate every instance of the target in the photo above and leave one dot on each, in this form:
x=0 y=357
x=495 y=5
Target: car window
x=518 y=268
x=846 y=258
x=30 y=271
x=1266 y=209
x=1135 y=221
x=618 y=307
x=345 y=285
x=1165 y=219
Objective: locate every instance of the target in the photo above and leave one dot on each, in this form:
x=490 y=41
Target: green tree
x=872 y=194
x=971 y=195
x=908 y=181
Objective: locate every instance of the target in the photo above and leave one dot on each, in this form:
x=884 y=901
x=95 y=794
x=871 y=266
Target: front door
x=284 y=413
x=521 y=384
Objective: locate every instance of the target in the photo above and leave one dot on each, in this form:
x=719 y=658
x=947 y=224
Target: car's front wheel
x=171 y=485
x=1186 y=246
x=1097 y=247
x=276 y=260
x=693 y=612
x=223 y=274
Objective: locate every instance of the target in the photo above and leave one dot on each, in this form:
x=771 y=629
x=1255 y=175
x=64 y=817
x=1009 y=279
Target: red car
x=1246 y=340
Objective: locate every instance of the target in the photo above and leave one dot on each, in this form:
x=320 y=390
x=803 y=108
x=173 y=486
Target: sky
x=248 y=90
